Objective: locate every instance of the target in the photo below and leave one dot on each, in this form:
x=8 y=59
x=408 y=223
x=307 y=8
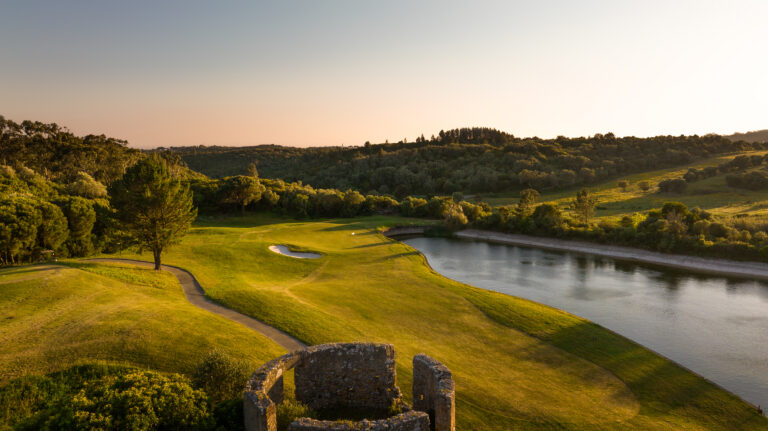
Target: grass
x=517 y=364
x=56 y=316
x=711 y=194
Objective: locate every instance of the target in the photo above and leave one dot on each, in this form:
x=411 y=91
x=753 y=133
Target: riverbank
x=698 y=264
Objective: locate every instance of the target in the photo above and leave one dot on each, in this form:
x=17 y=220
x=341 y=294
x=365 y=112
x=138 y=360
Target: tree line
x=152 y=201
x=755 y=180
x=472 y=160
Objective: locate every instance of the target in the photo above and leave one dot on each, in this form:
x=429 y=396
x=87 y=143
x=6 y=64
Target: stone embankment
x=698 y=264
x=351 y=375
x=398 y=231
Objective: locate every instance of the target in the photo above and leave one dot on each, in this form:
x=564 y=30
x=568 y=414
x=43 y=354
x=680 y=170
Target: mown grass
x=56 y=316
x=711 y=194
x=517 y=364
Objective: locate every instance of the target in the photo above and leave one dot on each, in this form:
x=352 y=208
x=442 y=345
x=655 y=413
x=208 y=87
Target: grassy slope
x=711 y=194
x=517 y=364
x=54 y=316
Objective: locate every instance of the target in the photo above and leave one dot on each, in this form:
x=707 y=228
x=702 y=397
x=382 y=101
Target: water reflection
x=715 y=326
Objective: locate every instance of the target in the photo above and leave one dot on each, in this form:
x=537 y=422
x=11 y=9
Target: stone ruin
x=356 y=375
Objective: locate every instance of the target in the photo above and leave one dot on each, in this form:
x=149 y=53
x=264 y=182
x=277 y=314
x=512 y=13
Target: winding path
x=196 y=295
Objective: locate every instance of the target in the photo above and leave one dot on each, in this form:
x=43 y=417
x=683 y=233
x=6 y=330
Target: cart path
x=196 y=295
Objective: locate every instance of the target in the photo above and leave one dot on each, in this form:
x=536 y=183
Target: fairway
x=517 y=364
x=55 y=316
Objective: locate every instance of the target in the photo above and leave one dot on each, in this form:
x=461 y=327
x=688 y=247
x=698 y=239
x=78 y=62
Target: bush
x=677 y=185
x=228 y=415
x=547 y=216
x=290 y=410
x=220 y=376
x=455 y=218
x=141 y=400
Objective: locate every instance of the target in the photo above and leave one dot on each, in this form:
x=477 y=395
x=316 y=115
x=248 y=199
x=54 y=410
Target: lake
x=715 y=326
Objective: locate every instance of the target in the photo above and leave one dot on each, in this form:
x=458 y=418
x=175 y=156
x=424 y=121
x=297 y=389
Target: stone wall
x=406 y=231
x=264 y=391
x=434 y=392
x=351 y=375
x=409 y=421
x=347 y=374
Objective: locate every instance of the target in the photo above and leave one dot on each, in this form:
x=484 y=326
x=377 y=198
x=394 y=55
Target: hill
x=712 y=194
x=55 y=316
x=466 y=160
x=755 y=136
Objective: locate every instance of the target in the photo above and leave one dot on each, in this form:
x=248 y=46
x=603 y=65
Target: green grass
x=55 y=316
x=517 y=364
x=711 y=194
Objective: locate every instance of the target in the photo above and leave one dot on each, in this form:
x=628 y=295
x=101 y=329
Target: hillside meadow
x=711 y=194
x=57 y=316
x=517 y=364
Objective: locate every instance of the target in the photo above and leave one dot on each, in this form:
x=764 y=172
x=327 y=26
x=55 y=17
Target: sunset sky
x=169 y=73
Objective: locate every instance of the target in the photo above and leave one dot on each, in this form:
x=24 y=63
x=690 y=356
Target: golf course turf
x=517 y=364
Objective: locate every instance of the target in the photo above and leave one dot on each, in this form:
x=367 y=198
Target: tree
x=353 y=201
x=270 y=197
x=584 y=205
x=86 y=186
x=624 y=184
x=53 y=230
x=547 y=216
x=242 y=190
x=19 y=220
x=252 y=171
x=81 y=217
x=528 y=197
x=644 y=185
x=155 y=208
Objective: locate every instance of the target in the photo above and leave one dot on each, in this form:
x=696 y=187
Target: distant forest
x=756 y=136
x=470 y=160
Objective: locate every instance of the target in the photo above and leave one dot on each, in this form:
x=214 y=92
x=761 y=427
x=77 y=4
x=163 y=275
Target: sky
x=342 y=72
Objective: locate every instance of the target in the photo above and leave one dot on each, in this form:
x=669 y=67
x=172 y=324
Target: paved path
x=196 y=295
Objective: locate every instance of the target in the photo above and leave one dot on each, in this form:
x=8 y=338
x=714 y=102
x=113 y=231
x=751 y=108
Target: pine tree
x=154 y=207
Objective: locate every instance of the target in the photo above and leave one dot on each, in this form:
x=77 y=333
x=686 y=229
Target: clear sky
x=164 y=73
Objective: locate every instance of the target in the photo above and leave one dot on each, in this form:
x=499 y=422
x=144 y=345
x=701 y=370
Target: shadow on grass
x=376 y=244
x=403 y=254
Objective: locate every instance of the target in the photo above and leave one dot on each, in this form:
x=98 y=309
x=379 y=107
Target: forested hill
x=756 y=136
x=467 y=160
x=59 y=155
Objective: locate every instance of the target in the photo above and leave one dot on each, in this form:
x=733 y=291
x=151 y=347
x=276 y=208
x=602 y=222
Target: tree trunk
x=156 y=253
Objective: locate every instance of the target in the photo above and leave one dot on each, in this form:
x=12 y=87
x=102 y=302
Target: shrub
x=228 y=415
x=220 y=376
x=290 y=410
x=718 y=230
x=547 y=216
x=624 y=184
x=141 y=400
x=677 y=185
x=455 y=218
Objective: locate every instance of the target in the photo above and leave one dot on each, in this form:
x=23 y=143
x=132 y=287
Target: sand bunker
x=281 y=249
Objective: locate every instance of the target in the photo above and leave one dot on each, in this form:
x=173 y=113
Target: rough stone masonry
x=351 y=375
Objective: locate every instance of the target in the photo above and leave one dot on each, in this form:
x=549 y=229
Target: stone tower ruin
x=354 y=375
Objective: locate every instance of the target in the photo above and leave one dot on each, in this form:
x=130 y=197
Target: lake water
x=717 y=327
